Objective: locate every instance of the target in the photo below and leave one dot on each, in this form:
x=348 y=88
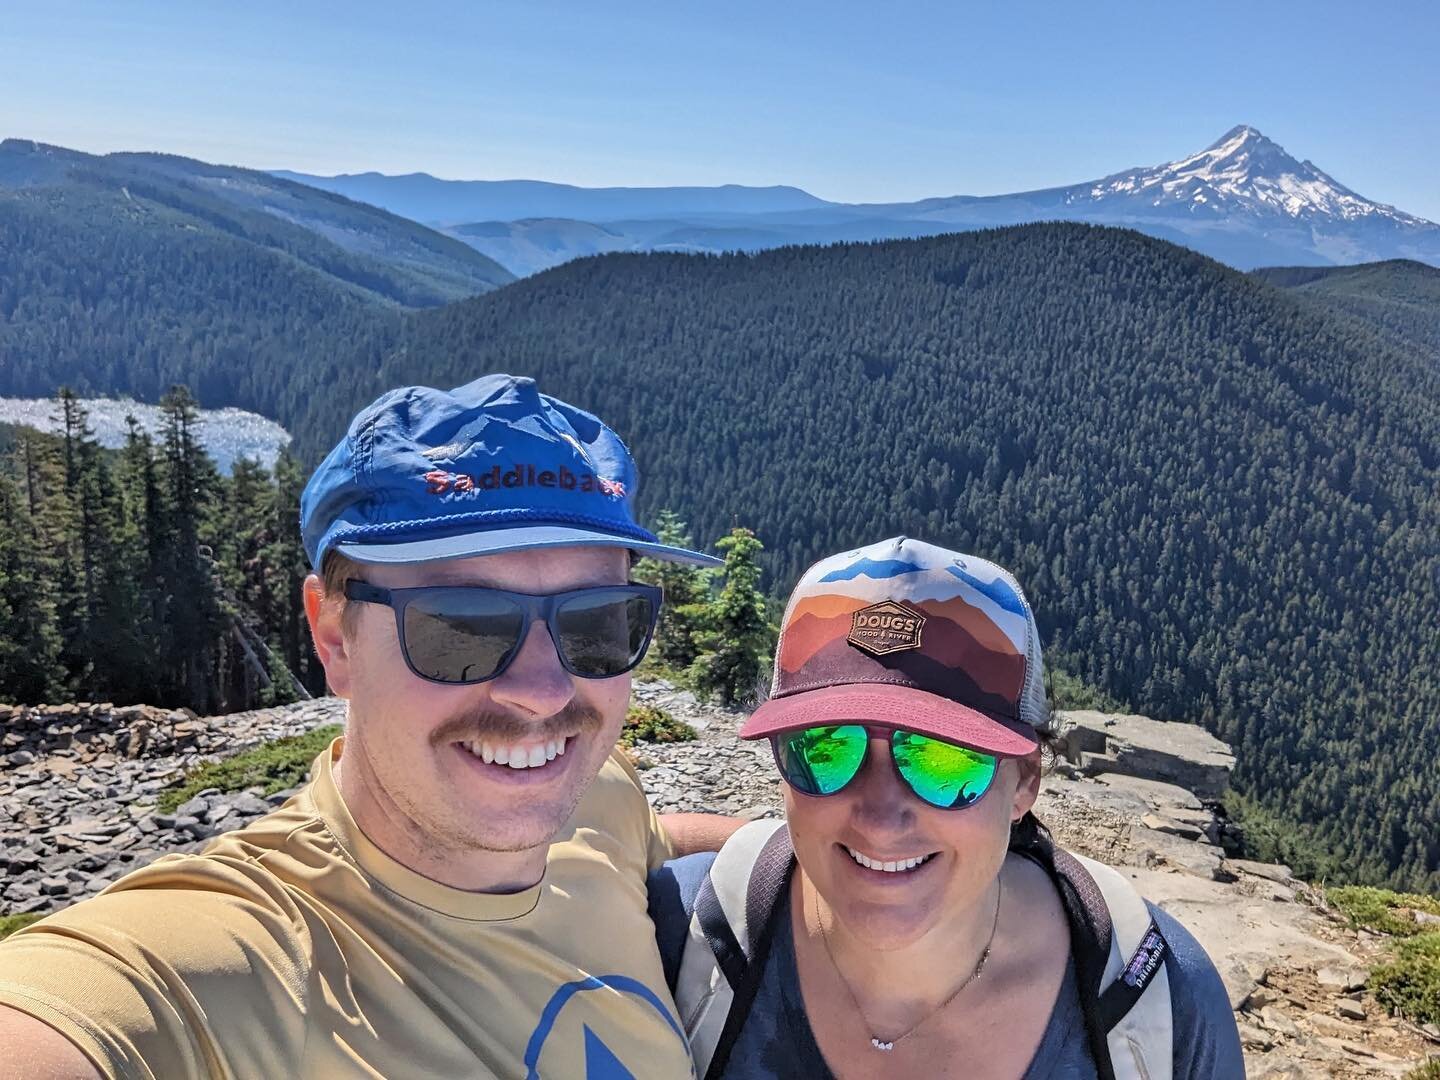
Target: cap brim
x=892 y=706
x=520 y=538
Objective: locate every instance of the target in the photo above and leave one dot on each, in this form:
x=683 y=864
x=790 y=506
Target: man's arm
x=36 y=1051
x=691 y=833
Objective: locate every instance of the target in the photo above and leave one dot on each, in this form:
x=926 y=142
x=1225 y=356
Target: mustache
x=574 y=719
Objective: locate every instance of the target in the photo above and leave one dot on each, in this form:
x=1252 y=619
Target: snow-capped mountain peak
x=1243 y=171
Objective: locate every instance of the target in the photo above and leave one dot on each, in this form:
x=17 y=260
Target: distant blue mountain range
x=1242 y=200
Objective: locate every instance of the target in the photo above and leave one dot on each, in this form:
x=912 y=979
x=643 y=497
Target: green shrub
x=646 y=723
x=1068 y=692
x=274 y=766
x=1409 y=983
x=1376 y=909
x=10 y=923
x=1429 y=1071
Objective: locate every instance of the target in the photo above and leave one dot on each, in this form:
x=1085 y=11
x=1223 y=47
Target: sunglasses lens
x=941 y=773
x=821 y=760
x=604 y=633
x=460 y=635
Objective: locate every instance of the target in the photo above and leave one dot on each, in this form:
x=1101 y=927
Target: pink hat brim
x=892 y=706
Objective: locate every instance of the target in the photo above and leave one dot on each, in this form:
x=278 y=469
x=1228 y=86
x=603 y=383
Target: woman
x=925 y=927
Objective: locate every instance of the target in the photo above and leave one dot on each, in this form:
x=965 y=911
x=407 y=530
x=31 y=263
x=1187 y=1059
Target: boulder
x=1185 y=755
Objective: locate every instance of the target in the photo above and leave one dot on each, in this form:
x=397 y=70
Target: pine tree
x=30 y=643
x=687 y=592
x=188 y=579
x=737 y=644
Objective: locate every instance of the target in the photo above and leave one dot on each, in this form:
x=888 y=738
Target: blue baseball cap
x=490 y=466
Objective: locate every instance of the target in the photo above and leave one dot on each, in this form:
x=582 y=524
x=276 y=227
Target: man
x=460 y=889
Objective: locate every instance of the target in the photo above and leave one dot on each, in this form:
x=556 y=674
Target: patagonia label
x=886 y=627
x=1146 y=961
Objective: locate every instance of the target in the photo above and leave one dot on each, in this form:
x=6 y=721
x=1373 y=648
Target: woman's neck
x=891 y=984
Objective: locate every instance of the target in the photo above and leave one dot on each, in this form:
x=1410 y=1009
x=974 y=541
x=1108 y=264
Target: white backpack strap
x=1135 y=991
x=719 y=942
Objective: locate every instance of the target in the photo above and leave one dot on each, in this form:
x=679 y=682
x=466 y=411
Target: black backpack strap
x=1090 y=934
x=769 y=878
x=1117 y=999
x=723 y=943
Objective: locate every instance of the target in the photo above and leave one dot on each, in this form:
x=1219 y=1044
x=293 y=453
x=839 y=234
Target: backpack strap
x=1134 y=1006
x=1119 y=960
x=729 y=939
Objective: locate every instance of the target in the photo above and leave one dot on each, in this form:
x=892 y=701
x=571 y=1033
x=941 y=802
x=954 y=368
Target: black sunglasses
x=457 y=634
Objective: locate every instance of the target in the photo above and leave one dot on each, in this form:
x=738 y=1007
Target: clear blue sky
x=852 y=101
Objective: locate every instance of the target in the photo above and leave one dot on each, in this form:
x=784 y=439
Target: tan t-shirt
x=296 y=948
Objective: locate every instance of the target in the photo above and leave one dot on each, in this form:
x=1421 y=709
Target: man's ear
x=328 y=634
x=1028 y=788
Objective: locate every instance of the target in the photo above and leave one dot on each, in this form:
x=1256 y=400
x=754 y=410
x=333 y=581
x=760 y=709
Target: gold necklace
x=887 y=1045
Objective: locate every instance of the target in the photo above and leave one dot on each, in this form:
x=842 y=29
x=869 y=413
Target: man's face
x=422 y=744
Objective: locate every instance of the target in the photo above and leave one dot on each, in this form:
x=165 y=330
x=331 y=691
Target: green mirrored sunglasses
x=823 y=760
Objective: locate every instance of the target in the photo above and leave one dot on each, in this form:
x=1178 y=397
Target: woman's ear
x=1027 y=789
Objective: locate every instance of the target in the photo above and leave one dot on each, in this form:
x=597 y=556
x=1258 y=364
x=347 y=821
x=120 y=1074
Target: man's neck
x=395 y=833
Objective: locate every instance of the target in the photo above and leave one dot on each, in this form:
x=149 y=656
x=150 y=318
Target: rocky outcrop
x=1181 y=754
x=77 y=809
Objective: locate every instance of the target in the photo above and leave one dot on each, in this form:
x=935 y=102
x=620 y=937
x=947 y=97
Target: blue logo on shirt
x=601 y=1062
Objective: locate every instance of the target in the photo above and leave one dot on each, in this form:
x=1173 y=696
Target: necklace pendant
x=881 y=1044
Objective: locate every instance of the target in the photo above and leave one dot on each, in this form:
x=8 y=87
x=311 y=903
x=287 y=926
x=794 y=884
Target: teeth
x=888 y=867
x=518 y=756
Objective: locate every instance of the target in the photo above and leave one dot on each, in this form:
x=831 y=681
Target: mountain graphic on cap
x=907 y=634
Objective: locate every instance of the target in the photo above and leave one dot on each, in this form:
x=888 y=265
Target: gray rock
x=1278 y=1022
x=193 y=808
x=1182 y=754
x=1342 y=979
x=1182 y=829
x=21 y=757
x=54 y=886
x=1202 y=860
x=1351 y=1010
x=1269 y=871
x=1158 y=794
x=248 y=805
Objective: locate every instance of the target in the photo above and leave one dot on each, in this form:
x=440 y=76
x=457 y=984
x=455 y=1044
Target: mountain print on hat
x=967 y=640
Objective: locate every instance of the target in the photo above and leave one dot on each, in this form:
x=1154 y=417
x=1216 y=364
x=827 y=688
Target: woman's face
x=877 y=816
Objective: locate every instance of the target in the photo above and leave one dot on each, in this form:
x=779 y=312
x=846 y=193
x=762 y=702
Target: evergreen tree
x=687 y=594
x=188 y=577
x=737 y=645
x=30 y=643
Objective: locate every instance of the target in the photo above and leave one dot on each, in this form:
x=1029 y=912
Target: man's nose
x=535 y=683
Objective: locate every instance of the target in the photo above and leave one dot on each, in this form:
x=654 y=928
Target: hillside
x=1225 y=503
x=1401 y=297
x=367 y=248
x=128 y=273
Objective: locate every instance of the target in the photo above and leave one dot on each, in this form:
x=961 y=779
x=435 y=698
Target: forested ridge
x=1224 y=501
x=1399 y=297
x=1222 y=495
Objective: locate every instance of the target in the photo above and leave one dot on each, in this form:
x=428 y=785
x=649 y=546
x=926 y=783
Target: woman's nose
x=881 y=800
